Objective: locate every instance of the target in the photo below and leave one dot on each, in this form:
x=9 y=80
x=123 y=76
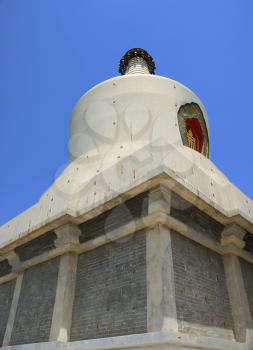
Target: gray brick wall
x=35 y=308
x=195 y=218
x=131 y=209
x=247 y=273
x=5 y=267
x=36 y=246
x=201 y=292
x=110 y=297
x=6 y=294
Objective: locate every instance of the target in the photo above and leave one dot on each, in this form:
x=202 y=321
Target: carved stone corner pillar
x=232 y=241
x=161 y=304
x=159 y=200
x=13 y=260
x=232 y=238
x=67 y=236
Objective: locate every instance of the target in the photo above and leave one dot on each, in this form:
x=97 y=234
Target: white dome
x=127 y=112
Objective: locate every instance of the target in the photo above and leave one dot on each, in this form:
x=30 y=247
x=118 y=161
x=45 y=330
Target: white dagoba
x=128 y=135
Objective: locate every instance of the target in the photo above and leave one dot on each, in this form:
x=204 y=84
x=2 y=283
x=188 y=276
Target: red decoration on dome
x=195 y=135
x=192 y=128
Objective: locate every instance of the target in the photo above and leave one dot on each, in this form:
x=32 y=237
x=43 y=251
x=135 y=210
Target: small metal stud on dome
x=137 y=61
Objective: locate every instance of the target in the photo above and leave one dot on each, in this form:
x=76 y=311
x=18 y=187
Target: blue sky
x=53 y=51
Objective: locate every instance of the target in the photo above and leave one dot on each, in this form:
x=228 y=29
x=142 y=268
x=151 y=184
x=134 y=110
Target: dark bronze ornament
x=137 y=52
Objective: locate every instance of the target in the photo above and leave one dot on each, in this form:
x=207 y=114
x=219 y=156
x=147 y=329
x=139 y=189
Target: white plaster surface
x=128 y=111
x=81 y=188
x=127 y=134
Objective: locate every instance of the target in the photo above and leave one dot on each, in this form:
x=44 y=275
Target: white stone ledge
x=7 y=278
x=37 y=346
x=148 y=341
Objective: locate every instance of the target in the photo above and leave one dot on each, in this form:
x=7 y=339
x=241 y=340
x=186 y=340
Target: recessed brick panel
x=5 y=268
x=35 y=308
x=133 y=208
x=6 y=294
x=200 y=284
x=195 y=218
x=36 y=246
x=110 y=297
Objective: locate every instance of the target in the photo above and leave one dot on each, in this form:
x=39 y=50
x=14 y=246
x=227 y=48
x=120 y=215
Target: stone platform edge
x=157 y=340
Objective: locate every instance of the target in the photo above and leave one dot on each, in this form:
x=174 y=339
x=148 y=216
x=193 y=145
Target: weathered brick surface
x=247 y=273
x=195 y=218
x=5 y=267
x=37 y=246
x=35 y=308
x=132 y=209
x=6 y=294
x=110 y=297
x=201 y=292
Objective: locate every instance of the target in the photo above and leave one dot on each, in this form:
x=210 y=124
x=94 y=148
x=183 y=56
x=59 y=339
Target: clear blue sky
x=53 y=51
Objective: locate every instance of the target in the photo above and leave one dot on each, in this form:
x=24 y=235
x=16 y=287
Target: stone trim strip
x=232 y=239
x=7 y=278
x=13 y=310
x=65 y=290
x=62 y=314
x=156 y=340
x=161 y=300
x=238 y=297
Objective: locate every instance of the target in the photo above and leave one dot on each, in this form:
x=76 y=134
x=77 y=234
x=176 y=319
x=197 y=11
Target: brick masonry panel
x=35 y=307
x=6 y=294
x=200 y=284
x=110 y=297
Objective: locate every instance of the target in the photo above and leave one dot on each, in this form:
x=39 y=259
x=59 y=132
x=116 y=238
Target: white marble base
x=158 y=340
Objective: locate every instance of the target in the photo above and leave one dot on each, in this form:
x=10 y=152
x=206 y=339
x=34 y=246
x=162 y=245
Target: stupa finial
x=137 y=61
